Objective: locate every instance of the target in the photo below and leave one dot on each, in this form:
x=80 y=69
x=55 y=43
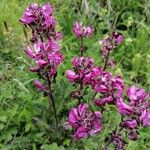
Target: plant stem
x=80 y=93
x=81 y=46
x=51 y=100
x=106 y=61
x=81 y=84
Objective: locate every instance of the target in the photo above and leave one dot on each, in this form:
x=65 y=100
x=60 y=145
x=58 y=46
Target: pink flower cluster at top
x=45 y=49
x=41 y=21
x=82 y=31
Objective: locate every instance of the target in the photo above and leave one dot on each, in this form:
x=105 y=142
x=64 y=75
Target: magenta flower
x=103 y=101
x=81 y=67
x=108 y=44
x=145 y=118
x=117 y=86
x=39 y=85
x=71 y=75
x=41 y=20
x=82 y=31
x=133 y=135
x=49 y=22
x=123 y=108
x=82 y=63
x=117 y=37
x=31 y=14
x=46 y=56
x=84 y=122
x=59 y=35
x=118 y=141
x=136 y=95
x=46 y=10
x=30 y=53
x=130 y=124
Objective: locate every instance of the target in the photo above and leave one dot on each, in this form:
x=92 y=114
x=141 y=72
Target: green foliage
x=25 y=119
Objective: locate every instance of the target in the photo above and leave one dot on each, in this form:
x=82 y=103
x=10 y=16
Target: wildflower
x=118 y=141
x=123 y=108
x=82 y=31
x=108 y=44
x=133 y=135
x=46 y=10
x=103 y=101
x=81 y=67
x=39 y=85
x=71 y=75
x=136 y=95
x=145 y=118
x=84 y=122
x=31 y=14
x=130 y=124
x=41 y=20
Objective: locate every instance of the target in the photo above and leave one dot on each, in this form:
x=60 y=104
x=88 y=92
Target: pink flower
x=39 y=85
x=48 y=22
x=117 y=37
x=45 y=55
x=71 y=76
x=41 y=62
x=91 y=78
x=29 y=52
x=110 y=43
x=55 y=59
x=82 y=63
x=136 y=94
x=103 y=101
x=88 y=32
x=31 y=14
x=123 y=108
x=46 y=10
x=103 y=82
x=84 y=122
x=81 y=66
x=118 y=86
x=145 y=118
x=130 y=124
x=59 y=35
x=133 y=135
x=40 y=19
x=82 y=31
x=52 y=46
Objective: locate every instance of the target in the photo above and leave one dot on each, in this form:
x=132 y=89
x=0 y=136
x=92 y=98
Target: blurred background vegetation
x=25 y=122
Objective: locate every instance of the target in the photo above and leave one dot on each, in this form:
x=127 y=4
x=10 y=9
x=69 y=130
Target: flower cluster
x=137 y=112
x=109 y=90
x=82 y=31
x=41 y=20
x=84 y=122
x=81 y=67
x=46 y=56
x=110 y=43
x=45 y=49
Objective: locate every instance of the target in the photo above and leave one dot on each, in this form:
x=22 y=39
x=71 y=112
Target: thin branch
x=51 y=99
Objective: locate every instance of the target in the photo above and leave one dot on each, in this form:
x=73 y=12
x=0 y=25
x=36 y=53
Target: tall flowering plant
x=108 y=89
x=44 y=49
x=132 y=102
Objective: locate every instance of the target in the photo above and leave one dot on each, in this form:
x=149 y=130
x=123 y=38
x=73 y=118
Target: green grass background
x=25 y=121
